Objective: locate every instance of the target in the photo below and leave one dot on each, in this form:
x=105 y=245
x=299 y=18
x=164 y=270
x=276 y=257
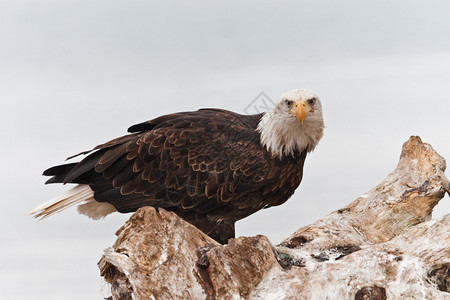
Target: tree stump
x=383 y=245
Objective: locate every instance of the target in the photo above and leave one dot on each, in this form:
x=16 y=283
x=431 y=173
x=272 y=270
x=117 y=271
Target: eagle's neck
x=282 y=134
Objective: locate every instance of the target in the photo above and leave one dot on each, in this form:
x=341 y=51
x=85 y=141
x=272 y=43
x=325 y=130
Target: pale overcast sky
x=77 y=73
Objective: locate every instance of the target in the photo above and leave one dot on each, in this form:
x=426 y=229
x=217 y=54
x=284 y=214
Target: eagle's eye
x=311 y=101
x=289 y=102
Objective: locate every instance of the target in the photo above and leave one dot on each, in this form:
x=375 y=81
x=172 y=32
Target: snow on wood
x=383 y=245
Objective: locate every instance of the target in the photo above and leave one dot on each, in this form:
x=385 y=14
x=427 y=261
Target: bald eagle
x=212 y=167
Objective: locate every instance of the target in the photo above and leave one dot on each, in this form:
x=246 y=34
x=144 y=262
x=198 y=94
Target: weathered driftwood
x=383 y=245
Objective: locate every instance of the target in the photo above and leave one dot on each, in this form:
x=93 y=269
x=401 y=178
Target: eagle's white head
x=295 y=123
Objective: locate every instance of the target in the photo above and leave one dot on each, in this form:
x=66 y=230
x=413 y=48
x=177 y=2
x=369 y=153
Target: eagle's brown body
x=207 y=166
x=212 y=167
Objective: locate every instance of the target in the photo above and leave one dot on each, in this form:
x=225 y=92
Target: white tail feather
x=96 y=210
x=76 y=195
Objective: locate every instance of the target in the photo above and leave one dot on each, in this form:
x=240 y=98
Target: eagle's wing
x=196 y=161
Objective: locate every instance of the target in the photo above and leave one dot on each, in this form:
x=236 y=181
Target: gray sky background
x=77 y=73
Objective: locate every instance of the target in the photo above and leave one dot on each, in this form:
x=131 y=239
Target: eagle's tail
x=76 y=195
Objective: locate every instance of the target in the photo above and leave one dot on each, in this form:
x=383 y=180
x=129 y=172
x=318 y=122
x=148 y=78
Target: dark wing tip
x=141 y=127
x=81 y=153
x=58 y=170
x=47 y=172
x=134 y=128
x=149 y=125
x=58 y=173
x=54 y=179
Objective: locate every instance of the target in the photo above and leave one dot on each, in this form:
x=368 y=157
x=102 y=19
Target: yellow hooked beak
x=300 y=109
